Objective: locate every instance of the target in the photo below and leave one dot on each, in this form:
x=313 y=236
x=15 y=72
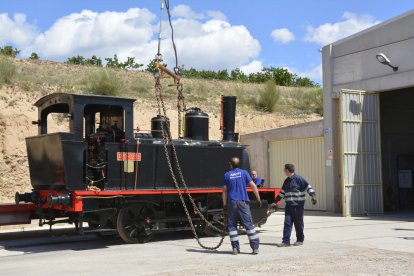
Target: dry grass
x=308 y=101
x=49 y=77
x=104 y=82
x=7 y=70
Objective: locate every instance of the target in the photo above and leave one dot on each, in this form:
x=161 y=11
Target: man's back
x=236 y=181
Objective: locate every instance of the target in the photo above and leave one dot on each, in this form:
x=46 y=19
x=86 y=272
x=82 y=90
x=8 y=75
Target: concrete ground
x=334 y=245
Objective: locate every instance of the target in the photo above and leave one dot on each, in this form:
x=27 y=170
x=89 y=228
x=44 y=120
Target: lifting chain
x=168 y=140
x=181 y=109
x=166 y=133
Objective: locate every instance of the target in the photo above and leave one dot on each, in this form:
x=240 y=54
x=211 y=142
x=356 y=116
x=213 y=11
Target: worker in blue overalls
x=236 y=202
x=257 y=180
x=293 y=192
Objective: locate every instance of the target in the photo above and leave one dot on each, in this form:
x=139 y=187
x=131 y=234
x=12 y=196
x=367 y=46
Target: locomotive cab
x=77 y=158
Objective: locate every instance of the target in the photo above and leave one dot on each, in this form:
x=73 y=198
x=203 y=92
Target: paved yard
x=333 y=245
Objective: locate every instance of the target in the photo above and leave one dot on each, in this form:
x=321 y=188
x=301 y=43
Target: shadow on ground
x=39 y=241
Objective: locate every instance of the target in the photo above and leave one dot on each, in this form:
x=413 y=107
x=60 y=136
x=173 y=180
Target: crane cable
x=167 y=139
x=181 y=108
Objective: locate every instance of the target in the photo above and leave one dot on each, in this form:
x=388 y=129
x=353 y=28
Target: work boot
x=298 y=243
x=235 y=251
x=282 y=244
x=255 y=251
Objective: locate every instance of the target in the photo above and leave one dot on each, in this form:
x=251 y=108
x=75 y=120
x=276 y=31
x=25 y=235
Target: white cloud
x=330 y=32
x=252 y=67
x=216 y=15
x=282 y=35
x=16 y=30
x=185 y=11
x=219 y=45
x=103 y=34
x=314 y=73
x=207 y=43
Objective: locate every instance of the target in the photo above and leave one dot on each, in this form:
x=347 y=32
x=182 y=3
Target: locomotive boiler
x=107 y=178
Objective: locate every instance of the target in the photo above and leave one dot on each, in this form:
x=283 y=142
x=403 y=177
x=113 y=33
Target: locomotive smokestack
x=228 y=118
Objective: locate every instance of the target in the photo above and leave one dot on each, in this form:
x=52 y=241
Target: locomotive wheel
x=134 y=224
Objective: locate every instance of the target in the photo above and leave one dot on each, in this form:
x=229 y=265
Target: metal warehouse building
x=369 y=118
x=368 y=128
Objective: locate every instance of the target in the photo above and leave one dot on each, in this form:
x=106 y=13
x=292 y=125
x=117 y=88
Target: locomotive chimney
x=228 y=118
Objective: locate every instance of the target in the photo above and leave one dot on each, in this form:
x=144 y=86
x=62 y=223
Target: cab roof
x=68 y=98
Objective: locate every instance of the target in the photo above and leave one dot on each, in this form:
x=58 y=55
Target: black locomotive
x=104 y=174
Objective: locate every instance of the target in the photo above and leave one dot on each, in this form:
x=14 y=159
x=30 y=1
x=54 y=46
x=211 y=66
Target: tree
x=237 y=75
x=128 y=64
x=34 y=56
x=152 y=65
x=94 y=61
x=304 y=82
x=9 y=51
x=78 y=60
x=222 y=75
x=131 y=64
x=112 y=62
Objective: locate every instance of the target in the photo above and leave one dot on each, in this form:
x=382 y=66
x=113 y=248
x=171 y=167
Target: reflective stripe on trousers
x=240 y=211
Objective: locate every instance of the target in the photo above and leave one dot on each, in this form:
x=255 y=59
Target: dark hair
x=235 y=162
x=290 y=168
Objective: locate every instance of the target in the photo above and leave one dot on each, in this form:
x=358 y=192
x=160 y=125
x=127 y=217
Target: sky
x=211 y=35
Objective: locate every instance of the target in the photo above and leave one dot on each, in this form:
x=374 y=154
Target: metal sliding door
x=308 y=156
x=361 y=153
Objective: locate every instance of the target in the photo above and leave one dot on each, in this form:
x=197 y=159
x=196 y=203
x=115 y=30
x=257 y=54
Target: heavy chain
x=168 y=140
x=180 y=108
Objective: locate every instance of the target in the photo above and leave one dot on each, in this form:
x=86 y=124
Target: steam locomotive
x=106 y=178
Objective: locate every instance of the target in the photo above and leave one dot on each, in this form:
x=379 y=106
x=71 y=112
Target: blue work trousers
x=240 y=211
x=293 y=216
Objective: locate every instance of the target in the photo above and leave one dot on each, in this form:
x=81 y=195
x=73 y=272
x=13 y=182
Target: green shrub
x=103 y=82
x=78 y=60
x=34 y=56
x=268 y=97
x=128 y=64
x=308 y=102
x=93 y=61
x=9 y=51
x=7 y=71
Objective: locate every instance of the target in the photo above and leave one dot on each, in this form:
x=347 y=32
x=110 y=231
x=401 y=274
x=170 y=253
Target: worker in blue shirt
x=257 y=180
x=293 y=192
x=236 y=202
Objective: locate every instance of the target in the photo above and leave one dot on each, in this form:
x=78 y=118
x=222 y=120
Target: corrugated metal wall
x=361 y=153
x=308 y=157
